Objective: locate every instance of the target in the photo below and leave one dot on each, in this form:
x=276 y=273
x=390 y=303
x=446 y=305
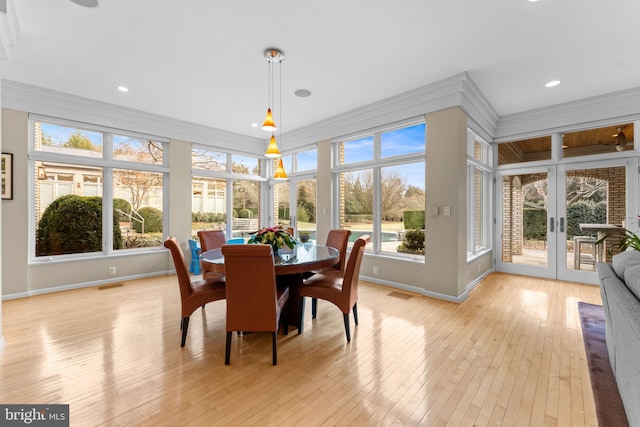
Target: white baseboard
x=420 y=291
x=84 y=285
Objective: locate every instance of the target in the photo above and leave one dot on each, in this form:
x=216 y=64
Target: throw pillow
x=620 y=262
x=632 y=279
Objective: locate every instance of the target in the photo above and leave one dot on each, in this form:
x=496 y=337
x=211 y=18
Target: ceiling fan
x=620 y=139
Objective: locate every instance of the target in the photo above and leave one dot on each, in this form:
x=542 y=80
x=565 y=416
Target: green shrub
x=73 y=224
x=152 y=220
x=535 y=224
x=245 y=213
x=412 y=242
x=302 y=213
x=208 y=217
x=413 y=220
x=585 y=212
x=122 y=205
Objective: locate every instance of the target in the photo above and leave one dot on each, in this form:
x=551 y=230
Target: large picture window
x=88 y=180
x=380 y=180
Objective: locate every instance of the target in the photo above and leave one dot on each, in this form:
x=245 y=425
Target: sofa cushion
x=620 y=262
x=632 y=279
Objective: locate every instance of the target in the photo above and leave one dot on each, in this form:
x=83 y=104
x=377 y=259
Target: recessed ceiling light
x=533 y=1
x=552 y=83
x=86 y=3
x=123 y=89
x=302 y=93
x=254 y=125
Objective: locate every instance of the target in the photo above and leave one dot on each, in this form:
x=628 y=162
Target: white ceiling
x=202 y=61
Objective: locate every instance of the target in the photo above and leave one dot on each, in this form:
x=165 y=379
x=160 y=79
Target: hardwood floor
x=512 y=354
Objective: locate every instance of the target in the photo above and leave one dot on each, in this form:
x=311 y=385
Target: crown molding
x=458 y=90
x=32 y=99
x=607 y=108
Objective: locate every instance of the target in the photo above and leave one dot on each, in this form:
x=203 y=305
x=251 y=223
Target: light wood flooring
x=512 y=354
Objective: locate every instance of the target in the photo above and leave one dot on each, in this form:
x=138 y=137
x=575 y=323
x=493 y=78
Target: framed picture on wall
x=7 y=176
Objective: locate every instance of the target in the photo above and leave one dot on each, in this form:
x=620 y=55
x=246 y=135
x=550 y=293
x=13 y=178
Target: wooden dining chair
x=337 y=288
x=192 y=294
x=338 y=239
x=254 y=302
x=210 y=239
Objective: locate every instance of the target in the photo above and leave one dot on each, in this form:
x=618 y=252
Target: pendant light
x=273 y=56
x=272 y=150
x=280 y=172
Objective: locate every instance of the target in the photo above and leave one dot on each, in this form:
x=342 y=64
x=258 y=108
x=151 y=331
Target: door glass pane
x=306 y=208
x=597 y=197
x=524 y=219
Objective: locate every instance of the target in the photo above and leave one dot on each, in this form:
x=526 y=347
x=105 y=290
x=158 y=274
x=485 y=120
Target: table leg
x=292 y=306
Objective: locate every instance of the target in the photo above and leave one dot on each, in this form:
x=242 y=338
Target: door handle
x=552 y=224
x=562 y=225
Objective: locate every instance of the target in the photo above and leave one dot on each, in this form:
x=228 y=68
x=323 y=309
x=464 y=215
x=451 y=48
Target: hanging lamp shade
x=268 y=122
x=280 y=172
x=272 y=149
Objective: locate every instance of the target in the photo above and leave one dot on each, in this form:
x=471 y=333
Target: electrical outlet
x=112 y=269
x=375 y=269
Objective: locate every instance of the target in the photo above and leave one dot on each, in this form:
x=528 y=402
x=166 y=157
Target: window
x=73 y=207
x=479 y=195
x=217 y=174
x=380 y=180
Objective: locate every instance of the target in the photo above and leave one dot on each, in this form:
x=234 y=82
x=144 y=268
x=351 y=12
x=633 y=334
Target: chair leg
x=227 y=351
x=301 y=323
x=346 y=326
x=314 y=307
x=185 y=326
x=274 y=344
x=355 y=313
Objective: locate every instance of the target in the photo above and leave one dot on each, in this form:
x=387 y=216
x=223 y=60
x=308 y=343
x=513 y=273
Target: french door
x=541 y=209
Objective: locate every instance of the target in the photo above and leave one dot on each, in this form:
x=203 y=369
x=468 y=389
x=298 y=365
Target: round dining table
x=302 y=258
x=290 y=267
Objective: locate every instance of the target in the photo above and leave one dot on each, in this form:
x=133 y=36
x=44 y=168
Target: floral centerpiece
x=277 y=237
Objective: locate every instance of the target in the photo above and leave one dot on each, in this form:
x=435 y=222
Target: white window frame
x=484 y=166
x=376 y=165
x=107 y=163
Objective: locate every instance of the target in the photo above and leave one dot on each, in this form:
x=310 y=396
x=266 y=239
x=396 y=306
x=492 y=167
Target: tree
x=138 y=183
x=77 y=140
x=393 y=187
